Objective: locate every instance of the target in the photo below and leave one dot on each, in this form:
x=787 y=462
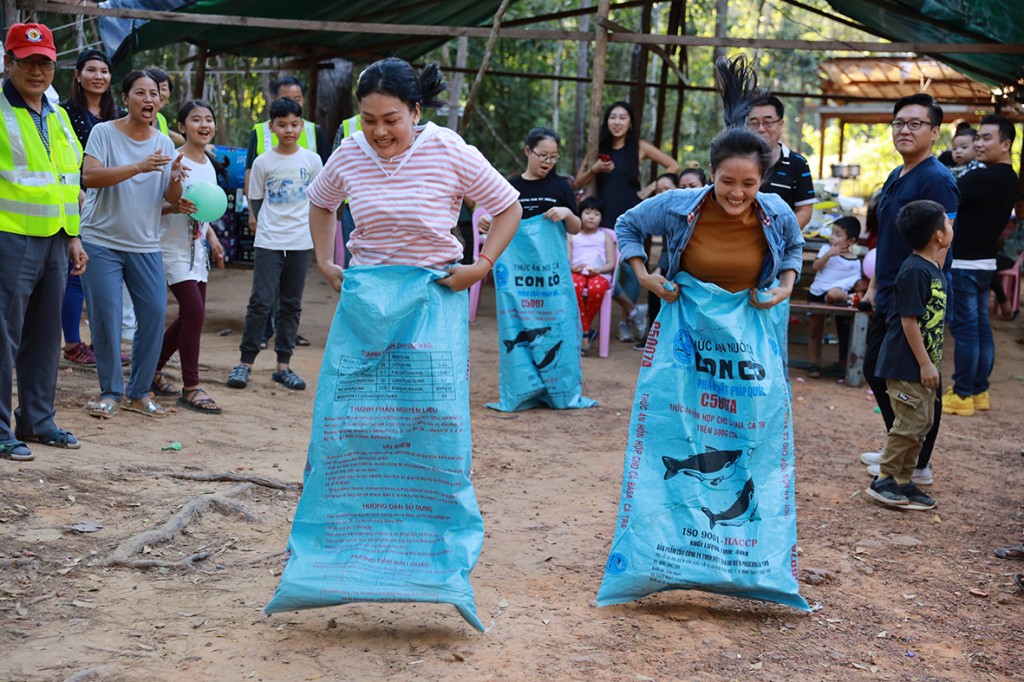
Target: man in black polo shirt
x=789 y=176
x=987 y=196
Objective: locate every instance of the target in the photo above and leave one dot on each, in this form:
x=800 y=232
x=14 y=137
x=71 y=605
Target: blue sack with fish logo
x=707 y=497
x=539 y=328
x=388 y=512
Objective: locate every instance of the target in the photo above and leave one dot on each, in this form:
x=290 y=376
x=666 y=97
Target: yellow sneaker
x=981 y=401
x=954 y=404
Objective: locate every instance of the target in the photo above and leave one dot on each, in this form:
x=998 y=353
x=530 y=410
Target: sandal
x=1016 y=552
x=161 y=386
x=146 y=406
x=301 y=340
x=101 y=409
x=814 y=372
x=16 y=451
x=206 y=405
x=59 y=438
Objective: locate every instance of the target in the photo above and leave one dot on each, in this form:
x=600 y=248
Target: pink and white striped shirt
x=405 y=208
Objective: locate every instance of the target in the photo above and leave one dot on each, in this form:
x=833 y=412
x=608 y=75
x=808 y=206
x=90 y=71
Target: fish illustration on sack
x=704 y=465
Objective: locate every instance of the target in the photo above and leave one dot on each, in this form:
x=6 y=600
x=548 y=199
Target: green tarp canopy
x=950 y=21
x=271 y=42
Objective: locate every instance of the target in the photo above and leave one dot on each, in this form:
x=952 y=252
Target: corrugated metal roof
x=890 y=78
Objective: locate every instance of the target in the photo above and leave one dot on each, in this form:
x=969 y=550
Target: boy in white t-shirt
x=283 y=246
x=836 y=273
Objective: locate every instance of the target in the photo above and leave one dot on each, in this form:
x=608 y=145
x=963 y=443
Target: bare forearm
x=323 y=228
x=803 y=214
x=503 y=228
x=98 y=176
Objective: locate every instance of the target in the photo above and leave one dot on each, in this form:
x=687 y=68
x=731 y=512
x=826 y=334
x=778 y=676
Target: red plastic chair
x=478 y=244
x=1010 y=279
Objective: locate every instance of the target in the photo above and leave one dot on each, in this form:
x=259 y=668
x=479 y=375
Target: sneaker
x=289 y=378
x=922 y=476
x=870 y=458
x=638 y=321
x=885 y=491
x=981 y=401
x=954 y=404
x=874 y=470
x=239 y=377
x=625 y=331
x=80 y=355
x=917 y=499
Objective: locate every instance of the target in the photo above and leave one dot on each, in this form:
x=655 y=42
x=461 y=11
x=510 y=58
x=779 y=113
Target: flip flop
x=1016 y=552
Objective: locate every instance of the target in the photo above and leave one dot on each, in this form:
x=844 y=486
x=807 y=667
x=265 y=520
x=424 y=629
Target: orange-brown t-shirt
x=725 y=250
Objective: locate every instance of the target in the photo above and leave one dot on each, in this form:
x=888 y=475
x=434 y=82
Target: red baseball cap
x=28 y=39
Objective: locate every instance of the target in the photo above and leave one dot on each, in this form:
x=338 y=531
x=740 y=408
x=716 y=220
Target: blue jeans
x=143 y=274
x=974 y=350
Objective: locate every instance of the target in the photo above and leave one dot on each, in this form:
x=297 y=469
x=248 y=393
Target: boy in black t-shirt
x=912 y=352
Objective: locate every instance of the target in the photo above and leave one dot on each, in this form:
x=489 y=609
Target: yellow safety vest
x=266 y=139
x=38 y=190
x=161 y=122
x=351 y=125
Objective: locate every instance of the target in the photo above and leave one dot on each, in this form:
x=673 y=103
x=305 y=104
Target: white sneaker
x=625 y=331
x=870 y=458
x=918 y=477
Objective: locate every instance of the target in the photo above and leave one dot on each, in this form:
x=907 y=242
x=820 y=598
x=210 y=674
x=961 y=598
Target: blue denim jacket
x=674 y=214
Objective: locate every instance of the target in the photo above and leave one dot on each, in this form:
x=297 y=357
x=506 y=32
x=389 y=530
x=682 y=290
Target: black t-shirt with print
x=537 y=196
x=920 y=292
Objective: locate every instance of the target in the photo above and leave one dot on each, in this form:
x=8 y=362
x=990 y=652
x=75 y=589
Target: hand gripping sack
x=707 y=497
x=387 y=511
x=538 y=322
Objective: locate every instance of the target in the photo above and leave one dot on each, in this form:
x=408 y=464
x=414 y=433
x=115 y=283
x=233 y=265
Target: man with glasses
x=915 y=126
x=39 y=190
x=789 y=175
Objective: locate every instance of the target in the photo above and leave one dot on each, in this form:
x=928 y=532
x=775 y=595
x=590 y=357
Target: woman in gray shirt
x=129 y=170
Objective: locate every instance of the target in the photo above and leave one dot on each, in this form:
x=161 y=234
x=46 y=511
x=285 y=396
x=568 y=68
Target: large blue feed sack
x=707 y=498
x=388 y=512
x=538 y=322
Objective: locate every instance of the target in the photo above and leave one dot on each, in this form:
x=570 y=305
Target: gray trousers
x=33 y=273
x=280 y=274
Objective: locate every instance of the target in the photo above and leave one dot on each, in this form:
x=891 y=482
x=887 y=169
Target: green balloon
x=210 y=201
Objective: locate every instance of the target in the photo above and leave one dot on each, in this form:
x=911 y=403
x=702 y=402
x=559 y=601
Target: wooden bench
x=858 y=335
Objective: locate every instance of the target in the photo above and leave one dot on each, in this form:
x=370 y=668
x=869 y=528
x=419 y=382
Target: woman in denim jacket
x=734 y=254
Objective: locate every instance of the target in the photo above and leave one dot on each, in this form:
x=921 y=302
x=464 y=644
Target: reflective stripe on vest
x=351 y=125
x=38 y=191
x=265 y=139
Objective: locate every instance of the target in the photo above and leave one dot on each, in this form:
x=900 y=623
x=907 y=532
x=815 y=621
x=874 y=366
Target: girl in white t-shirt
x=836 y=272
x=183 y=243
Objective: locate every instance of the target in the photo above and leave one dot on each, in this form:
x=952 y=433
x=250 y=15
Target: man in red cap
x=39 y=194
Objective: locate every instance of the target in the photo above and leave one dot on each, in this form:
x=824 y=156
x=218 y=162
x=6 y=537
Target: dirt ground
x=905 y=596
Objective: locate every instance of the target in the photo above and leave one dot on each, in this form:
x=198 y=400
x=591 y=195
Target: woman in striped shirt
x=405 y=183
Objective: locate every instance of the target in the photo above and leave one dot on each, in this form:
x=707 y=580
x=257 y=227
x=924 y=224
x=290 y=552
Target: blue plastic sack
x=707 y=489
x=538 y=322
x=387 y=512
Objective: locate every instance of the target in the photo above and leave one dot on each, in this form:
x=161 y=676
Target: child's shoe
x=638 y=321
x=625 y=331
x=954 y=404
x=885 y=491
x=289 y=378
x=917 y=499
x=981 y=401
x=81 y=355
x=239 y=377
x=922 y=476
x=871 y=458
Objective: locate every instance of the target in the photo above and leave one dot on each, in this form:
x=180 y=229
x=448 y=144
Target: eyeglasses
x=29 y=64
x=768 y=123
x=548 y=158
x=913 y=124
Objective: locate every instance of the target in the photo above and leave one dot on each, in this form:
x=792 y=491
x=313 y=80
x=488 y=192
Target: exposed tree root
x=14 y=563
x=123 y=554
x=241 y=478
x=260 y=559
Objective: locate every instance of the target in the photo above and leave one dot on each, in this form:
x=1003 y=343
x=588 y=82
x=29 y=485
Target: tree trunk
x=721 y=26
x=579 y=136
x=455 y=86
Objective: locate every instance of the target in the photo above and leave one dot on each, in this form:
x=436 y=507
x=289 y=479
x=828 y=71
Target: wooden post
x=492 y=38
x=199 y=86
x=681 y=88
x=638 y=93
x=579 y=150
x=11 y=15
x=597 y=84
x=455 y=85
x=821 y=147
x=659 y=122
x=842 y=138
